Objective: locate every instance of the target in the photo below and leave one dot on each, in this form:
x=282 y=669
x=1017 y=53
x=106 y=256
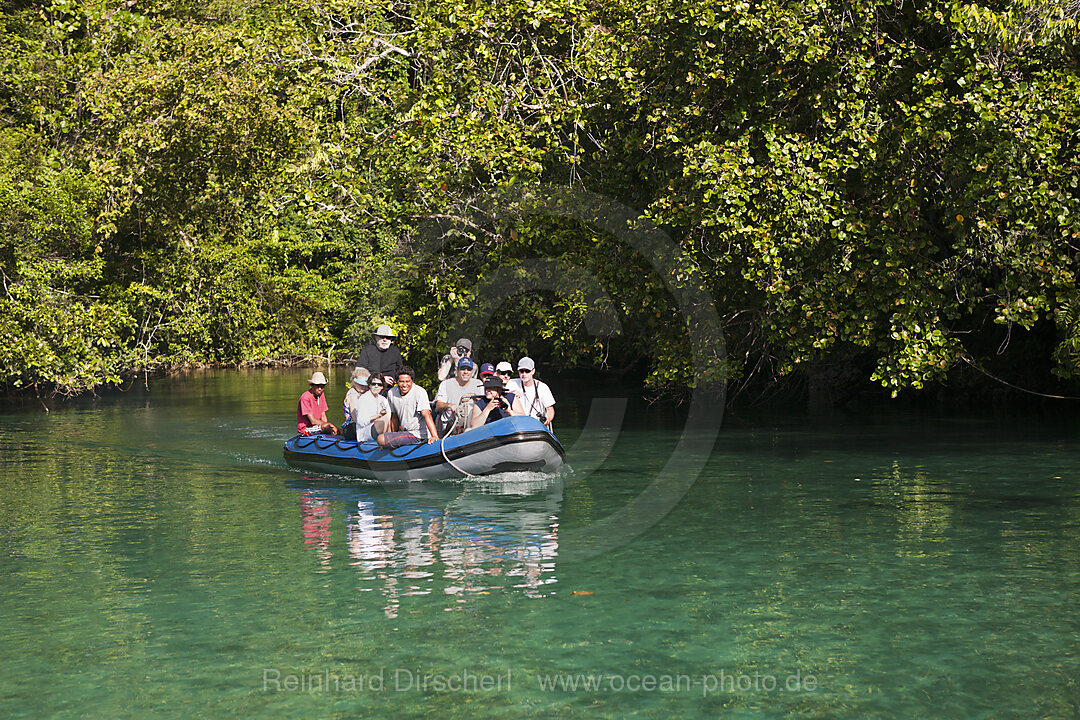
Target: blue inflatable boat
x=508 y=445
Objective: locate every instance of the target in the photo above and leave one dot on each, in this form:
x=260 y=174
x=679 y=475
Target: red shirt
x=309 y=405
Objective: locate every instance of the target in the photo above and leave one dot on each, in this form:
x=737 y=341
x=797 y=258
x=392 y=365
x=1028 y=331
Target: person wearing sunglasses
x=372 y=412
x=505 y=371
x=495 y=405
x=535 y=395
x=448 y=365
x=453 y=396
x=382 y=357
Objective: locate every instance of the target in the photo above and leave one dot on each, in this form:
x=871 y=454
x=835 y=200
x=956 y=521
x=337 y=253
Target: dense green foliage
x=891 y=185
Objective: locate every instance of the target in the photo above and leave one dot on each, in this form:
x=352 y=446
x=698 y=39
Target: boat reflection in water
x=439 y=539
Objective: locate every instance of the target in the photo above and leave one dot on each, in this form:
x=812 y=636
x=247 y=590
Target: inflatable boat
x=508 y=445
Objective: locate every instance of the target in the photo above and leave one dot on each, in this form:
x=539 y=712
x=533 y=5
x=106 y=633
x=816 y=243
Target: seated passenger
x=453 y=398
x=410 y=414
x=495 y=406
x=372 y=412
x=505 y=371
x=311 y=410
x=536 y=396
x=357 y=386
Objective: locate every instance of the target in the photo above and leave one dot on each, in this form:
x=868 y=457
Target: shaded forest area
x=863 y=192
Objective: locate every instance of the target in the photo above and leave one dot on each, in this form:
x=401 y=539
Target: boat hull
x=511 y=445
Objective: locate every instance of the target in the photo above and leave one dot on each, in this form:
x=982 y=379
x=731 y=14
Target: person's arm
x=324 y=423
x=395 y=421
x=365 y=360
x=517 y=407
x=440 y=400
x=479 y=417
x=380 y=409
x=446 y=367
x=549 y=402
x=433 y=434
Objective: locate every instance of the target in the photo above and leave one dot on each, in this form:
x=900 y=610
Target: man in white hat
x=505 y=371
x=535 y=395
x=311 y=410
x=382 y=357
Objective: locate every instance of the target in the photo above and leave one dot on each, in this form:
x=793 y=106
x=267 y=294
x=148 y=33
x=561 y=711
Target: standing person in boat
x=382 y=357
x=494 y=406
x=453 y=397
x=372 y=412
x=410 y=414
x=535 y=395
x=357 y=387
x=311 y=410
x=448 y=365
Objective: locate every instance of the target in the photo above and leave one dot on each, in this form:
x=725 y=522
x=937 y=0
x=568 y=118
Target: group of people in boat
x=384 y=404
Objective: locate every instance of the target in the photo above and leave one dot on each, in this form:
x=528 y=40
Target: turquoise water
x=160 y=559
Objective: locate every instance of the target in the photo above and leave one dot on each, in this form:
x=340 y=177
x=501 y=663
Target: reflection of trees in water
x=925 y=508
x=416 y=539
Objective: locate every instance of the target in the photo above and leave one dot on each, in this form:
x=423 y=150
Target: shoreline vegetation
x=884 y=196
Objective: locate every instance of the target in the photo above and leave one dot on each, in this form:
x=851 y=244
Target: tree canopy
x=887 y=184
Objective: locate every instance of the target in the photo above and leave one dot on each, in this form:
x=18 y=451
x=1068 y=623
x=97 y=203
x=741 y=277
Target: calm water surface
x=160 y=559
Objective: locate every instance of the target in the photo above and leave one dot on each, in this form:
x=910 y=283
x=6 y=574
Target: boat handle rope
x=300 y=444
x=310 y=439
x=408 y=449
x=337 y=443
x=442 y=446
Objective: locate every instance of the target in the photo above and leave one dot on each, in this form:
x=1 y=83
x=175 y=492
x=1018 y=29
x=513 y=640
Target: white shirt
x=450 y=392
x=535 y=399
x=409 y=409
x=367 y=406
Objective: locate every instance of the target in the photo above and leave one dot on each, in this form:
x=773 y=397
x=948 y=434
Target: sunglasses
x=523 y=371
x=377 y=384
x=503 y=372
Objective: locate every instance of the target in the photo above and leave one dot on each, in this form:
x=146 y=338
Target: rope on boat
x=442 y=446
